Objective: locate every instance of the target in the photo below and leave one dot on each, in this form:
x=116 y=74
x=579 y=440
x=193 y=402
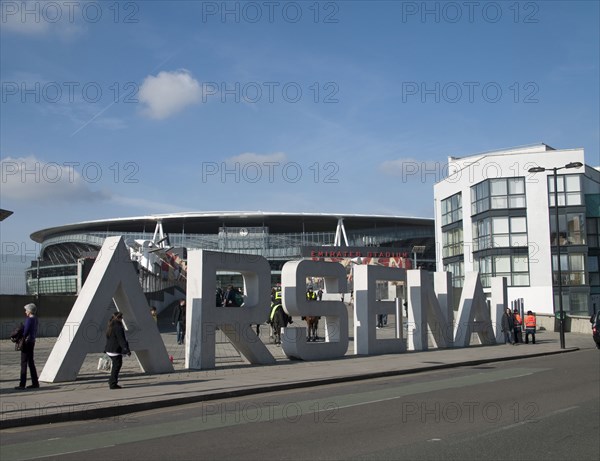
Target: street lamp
x=417 y=249
x=539 y=169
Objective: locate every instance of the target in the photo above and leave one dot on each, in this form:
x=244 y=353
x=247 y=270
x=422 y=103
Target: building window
x=498 y=194
x=571 y=267
x=593 y=271
x=452 y=209
x=500 y=232
x=452 y=242
x=573 y=303
x=593 y=232
x=458 y=272
x=514 y=267
x=569 y=190
x=571 y=229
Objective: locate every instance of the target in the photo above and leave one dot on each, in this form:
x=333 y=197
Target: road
x=541 y=408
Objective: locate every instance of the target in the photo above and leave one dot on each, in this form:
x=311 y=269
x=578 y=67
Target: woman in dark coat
x=508 y=326
x=29 y=336
x=116 y=347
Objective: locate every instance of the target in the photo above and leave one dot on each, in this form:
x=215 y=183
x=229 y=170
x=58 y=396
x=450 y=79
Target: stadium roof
x=210 y=222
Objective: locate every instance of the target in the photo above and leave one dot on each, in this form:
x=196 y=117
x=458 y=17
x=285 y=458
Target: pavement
x=90 y=398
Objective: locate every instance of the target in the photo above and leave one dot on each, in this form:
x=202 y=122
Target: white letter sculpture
x=293 y=281
x=204 y=316
x=112 y=276
x=498 y=305
x=366 y=307
x=429 y=309
x=474 y=314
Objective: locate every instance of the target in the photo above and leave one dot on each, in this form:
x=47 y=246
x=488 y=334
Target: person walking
x=116 y=347
x=179 y=321
x=29 y=336
x=530 y=327
x=508 y=326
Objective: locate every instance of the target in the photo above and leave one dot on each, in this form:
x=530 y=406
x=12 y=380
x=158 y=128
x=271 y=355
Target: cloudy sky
x=116 y=109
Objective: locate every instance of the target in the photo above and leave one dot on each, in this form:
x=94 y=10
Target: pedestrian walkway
x=89 y=396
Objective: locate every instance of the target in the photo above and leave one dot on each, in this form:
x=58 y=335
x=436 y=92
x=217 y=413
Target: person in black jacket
x=116 y=347
x=508 y=326
x=28 y=344
x=179 y=320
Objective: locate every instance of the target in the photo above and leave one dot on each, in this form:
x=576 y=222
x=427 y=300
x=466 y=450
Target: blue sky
x=126 y=109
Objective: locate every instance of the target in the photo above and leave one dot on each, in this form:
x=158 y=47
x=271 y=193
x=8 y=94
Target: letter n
x=429 y=309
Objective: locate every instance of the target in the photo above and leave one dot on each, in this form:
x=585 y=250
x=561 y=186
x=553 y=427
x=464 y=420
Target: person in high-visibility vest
x=518 y=335
x=278 y=318
x=530 y=327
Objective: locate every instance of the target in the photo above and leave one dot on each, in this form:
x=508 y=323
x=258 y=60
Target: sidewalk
x=89 y=397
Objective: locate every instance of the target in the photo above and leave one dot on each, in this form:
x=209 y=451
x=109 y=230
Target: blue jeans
x=508 y=337
x=180 y=332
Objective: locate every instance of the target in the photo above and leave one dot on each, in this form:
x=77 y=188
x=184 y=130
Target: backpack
x=17 y=337
x=238 y=299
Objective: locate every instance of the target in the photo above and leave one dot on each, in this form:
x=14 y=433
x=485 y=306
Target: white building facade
x=494 y=216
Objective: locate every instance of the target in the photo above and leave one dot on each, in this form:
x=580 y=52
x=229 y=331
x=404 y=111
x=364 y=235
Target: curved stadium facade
x=279 y=237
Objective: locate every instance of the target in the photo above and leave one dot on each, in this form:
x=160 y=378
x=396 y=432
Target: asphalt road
x=542 y=408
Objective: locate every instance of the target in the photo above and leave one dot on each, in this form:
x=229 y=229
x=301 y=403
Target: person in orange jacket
x=530 y=327
x=518 y=323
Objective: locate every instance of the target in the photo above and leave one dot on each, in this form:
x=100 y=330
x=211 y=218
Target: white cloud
x=169 y=93
x=38 y=18
x=30 y=179
x=250 y=157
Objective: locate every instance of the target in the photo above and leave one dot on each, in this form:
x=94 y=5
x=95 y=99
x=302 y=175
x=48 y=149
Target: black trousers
x=27 y=361
x=529 y=331
x=117 y=363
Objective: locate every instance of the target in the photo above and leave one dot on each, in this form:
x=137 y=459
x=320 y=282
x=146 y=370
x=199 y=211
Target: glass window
x=518 y=224
x=501 y=241
x=458 y=273
x=515 y=268
x=499 y=203
x=572 y=269
x=576 y=262
x=593 y=264
x=572 y=229
x=520 y=280
x=516 y=186
x=500 y=193
x=578 y=303
x=452 y=242
x=502 y=263
x=451 y=209
x=572 y=184
x=500 y=225
x=592 y=227
x=573 y=199
x=499 y=232
x=520 y=264
x=498 y=187
x=516 y=202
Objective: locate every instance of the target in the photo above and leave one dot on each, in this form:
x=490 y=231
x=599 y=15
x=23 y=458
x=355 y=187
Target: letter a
x=113 y=277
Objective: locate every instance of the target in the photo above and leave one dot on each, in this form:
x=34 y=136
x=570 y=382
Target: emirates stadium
x=158 y=244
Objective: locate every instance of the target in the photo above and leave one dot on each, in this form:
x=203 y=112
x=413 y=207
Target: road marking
x=215 y=415
x=520 y=423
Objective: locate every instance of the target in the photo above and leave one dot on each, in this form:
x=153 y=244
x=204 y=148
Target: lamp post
x=417 y=249
x=539 y=169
